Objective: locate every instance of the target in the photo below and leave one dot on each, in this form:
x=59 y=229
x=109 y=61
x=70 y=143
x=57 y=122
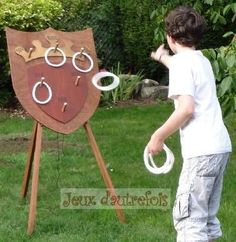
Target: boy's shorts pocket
x=181 y=207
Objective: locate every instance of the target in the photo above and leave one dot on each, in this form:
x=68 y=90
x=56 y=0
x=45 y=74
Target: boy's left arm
x=182 y=113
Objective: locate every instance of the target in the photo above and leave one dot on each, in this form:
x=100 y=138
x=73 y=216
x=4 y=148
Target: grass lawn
x=67 y=162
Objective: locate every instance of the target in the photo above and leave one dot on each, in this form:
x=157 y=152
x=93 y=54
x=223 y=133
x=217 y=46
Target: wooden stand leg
x=29 y=162
x=103 y=169
x=35 y=178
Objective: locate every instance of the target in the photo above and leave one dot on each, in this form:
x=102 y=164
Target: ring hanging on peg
x=83 y=53
x=39 y=83
x=64 y=107
x=77 y=80
x=54 y=49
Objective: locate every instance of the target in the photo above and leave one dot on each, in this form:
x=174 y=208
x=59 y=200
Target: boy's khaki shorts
x=198 y=198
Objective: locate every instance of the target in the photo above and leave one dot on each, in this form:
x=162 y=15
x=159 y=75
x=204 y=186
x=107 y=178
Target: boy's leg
x=213 y=223
x=190 y=225
x=191 y=207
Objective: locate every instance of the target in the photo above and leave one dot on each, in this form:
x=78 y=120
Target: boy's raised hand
x=161 y=55
x=156 y=55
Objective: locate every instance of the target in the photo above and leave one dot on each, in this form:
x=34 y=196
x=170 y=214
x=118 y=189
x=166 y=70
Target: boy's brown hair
x=185 y=25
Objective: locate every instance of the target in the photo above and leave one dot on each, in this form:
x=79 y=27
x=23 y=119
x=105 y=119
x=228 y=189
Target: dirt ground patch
x=21 y=144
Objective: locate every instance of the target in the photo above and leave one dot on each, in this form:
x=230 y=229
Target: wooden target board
x=51 y=74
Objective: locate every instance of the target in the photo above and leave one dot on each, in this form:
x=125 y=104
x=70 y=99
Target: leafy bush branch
x=223 y=60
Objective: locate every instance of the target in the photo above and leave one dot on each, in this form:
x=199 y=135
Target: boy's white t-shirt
x=190 y=73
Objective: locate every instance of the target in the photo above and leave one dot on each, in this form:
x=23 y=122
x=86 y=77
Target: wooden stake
x=35 y=179
x=103 y=170
x=29 y=162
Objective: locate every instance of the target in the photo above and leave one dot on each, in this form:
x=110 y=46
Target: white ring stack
x=151 y=166
x=86 y=55
x=102 y=74
x=55 y=49
x=49 y=92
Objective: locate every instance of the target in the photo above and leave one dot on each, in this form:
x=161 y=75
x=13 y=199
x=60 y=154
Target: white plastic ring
x=86 y=55
x=49 y=92
x=102 y=74
x=55 y=49
x=151 y=166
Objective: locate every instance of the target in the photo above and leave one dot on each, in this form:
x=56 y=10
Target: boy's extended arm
x=182 y=114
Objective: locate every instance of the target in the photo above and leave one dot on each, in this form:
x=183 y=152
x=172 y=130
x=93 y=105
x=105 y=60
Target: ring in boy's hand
x=151 y=166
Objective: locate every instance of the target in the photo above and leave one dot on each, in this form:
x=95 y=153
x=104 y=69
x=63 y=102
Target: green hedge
x=104 y=18
x=223 y=60
x=123 y=31
x=27 y=15
x=219 y=14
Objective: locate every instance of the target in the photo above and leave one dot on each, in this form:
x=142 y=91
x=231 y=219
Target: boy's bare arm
x=182 y=113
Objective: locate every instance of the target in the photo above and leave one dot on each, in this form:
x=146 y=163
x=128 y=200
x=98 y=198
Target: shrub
x=137 y=32
x=220 y=16
x=103 y=16
x=223 y=60
x=123 y=31
x=27 y=15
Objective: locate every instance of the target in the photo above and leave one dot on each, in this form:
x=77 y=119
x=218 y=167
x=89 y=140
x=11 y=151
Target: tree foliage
x=220 y=16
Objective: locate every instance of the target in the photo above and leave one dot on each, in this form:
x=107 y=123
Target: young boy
x=205 y=142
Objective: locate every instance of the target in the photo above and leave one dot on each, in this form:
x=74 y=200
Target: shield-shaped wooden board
x=51 y=74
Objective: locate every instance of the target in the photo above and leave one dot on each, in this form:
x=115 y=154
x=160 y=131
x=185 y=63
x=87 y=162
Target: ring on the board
x=102 y=74
x=34 y=93
x=53 y=64
x=86 y=55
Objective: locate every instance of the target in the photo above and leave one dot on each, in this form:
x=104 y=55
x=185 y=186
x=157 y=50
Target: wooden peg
x=56 y=47
x=81 y=51
x=77 y=80
x=64 y=107
x=80 y=56
x=30 y=52
x=42 y=80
